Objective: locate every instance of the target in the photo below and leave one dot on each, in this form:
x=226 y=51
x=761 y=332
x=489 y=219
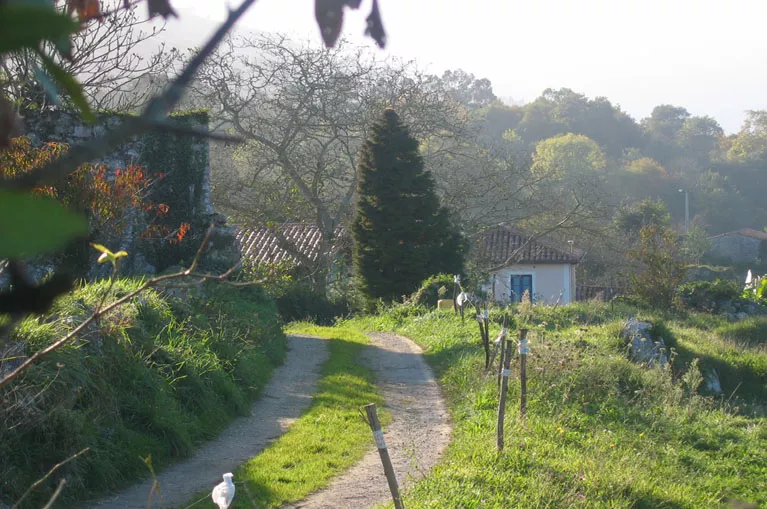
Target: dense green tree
x=750 y=144
x=665 y=121
x=567 y=154
x=662 y=128
x=401 y=233
x=631 y=219
x=497 y=119
x=562 y=111
x=699 y=136
x=468 y=90
x=646 y=166
x=659 y=265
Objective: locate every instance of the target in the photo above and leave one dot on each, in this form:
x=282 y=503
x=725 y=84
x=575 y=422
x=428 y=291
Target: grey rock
x=141 y=267
x=712 y=382
x=643 y=348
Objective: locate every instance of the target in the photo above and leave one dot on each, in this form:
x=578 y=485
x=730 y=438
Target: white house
x=519 y=262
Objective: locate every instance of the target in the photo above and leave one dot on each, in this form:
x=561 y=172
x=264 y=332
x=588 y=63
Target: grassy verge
x=328 y=438
x=601 y=431
x=153 y=379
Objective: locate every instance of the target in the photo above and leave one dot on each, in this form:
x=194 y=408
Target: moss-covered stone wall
x=179 y=165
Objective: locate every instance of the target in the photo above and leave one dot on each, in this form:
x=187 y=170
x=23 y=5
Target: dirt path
x=418 y=434
x=287 y=395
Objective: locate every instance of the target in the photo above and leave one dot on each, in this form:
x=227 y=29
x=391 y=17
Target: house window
x=519 y=284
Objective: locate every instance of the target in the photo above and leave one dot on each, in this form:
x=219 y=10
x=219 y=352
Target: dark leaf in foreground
x=70 y=85
x=375 y=27
x=25 y=298
x=32 y=225
x=25 y=26
x=330 y=18
x=161 y=8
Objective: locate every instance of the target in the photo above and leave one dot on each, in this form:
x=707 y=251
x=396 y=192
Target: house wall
x=548 y=281
x=736 y=247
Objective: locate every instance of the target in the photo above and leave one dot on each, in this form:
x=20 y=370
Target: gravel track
x=416 y=438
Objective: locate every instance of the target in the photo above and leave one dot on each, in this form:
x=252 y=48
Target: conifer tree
x=401 y=233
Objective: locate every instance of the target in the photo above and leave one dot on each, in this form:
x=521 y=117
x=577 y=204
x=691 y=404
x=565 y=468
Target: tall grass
x=153 y=379
x=601 y=431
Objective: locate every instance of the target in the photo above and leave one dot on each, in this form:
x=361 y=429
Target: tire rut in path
x=288 y=393
x=416 y=437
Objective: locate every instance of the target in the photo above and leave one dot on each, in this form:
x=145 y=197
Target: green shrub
x=300 y=302
x=432 y=289
x=759 y=293
x=706 y=295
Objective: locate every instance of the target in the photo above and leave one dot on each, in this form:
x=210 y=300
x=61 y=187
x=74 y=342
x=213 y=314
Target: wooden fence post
x=524 y=349
x=502 y=347
x=505 y=372
x=501 y=343
x=391 y=478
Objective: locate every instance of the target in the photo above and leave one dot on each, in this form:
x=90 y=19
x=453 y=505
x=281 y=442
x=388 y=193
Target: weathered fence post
x=391 y=478
x=524 y=349
x=505 y=372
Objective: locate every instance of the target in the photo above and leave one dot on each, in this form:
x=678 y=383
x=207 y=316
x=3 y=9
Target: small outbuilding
x=746 y=245
x=520 y=262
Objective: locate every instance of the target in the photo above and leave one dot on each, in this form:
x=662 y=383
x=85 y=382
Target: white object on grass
x=223 y=493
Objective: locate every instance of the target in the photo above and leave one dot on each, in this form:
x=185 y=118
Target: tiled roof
x=748 y=232
x=499 y=244
x=262 y=245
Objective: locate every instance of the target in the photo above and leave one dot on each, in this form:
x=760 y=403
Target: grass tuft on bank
x=151 y=380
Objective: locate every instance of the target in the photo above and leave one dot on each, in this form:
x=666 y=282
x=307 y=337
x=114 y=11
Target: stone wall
x=736 y=247
x=182 y=160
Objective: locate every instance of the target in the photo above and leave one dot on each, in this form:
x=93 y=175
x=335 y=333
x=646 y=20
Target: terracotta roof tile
x=502 y=243
x=261 y=244
x=748 y=232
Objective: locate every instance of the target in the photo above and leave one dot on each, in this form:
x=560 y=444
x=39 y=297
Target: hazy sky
x=708 y=56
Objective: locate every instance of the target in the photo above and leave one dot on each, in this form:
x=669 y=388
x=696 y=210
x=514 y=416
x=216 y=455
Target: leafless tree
x=106 y=58
x=305 y=112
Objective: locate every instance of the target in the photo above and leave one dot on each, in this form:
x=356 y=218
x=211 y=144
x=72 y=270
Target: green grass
x=600 y=431
x=327 y=439
x=154 y=378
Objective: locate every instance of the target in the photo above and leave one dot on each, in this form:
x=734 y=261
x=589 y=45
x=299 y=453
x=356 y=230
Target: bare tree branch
x=56 y=494
x=156 y=111
x=46 y=476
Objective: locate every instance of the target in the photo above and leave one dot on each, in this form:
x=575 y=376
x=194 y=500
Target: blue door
x=519 y=284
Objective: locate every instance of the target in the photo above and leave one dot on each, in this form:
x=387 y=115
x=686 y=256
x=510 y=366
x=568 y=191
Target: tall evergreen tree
x=401 y=233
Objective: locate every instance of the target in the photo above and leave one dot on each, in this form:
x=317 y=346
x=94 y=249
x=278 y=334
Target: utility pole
x=686 y=210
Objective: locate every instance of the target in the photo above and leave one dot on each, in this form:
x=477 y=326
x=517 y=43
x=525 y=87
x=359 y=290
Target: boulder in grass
x=643 y=347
